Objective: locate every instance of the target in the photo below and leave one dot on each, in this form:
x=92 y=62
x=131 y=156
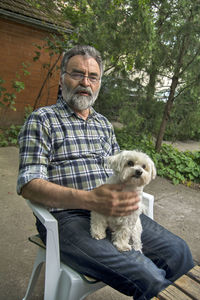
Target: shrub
x=179 y=167
x=8 y=137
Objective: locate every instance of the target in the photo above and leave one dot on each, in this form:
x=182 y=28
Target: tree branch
x=45 y=80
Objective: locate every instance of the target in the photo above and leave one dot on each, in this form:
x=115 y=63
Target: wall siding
x=16 y=42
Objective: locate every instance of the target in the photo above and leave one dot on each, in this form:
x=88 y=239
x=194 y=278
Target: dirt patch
x=185 y=146
x=193 y=185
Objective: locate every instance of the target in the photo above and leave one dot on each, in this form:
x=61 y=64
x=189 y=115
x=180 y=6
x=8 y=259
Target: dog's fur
x=134 y=169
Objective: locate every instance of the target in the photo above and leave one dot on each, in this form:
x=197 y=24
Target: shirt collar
x=64 y=108
x=66 y=111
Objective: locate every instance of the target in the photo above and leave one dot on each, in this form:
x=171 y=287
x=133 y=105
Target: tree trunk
x=166 y=114
x=151 y=84
x=175 y=78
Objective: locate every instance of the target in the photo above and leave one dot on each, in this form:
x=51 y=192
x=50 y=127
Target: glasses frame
x=92 y=80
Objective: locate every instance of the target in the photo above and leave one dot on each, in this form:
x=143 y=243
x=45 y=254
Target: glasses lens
x=93 y=79
x=79 y=77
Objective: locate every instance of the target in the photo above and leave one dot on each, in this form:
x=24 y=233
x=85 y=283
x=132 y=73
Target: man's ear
x=61 y=80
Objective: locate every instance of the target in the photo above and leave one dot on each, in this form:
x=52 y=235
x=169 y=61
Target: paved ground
x=186 y=145
x=176 y=207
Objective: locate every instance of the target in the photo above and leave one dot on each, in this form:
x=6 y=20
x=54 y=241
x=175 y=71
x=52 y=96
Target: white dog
x=134 y=169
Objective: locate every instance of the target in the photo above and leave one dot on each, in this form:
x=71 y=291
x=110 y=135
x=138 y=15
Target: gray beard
x=76 y=101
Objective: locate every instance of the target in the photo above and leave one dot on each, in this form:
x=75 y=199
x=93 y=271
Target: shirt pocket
x=102 y=146
x=66 y=149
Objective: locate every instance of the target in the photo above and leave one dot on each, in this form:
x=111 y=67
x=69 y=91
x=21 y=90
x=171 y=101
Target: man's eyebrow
x=78 y=71
x=94 y=74
x=81 y=72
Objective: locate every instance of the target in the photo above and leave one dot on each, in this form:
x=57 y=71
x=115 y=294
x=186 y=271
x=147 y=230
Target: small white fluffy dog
x=134 y=169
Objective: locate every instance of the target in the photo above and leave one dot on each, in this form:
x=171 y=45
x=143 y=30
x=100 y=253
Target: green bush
x=8 y=137
x=179 y=167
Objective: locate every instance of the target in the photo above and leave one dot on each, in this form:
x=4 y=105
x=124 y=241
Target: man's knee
x=152 y=282
x=180 y=260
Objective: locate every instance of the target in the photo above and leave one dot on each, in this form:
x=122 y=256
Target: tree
x=159 y=39
x=182 y=44
x=119 y=29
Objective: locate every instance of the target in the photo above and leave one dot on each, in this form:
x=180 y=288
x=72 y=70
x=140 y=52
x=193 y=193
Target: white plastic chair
x=61 y=281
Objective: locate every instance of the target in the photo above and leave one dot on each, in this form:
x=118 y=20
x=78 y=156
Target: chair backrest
x=148 y=201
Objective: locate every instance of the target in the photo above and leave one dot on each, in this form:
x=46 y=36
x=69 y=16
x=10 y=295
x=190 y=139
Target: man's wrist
x=81 y=199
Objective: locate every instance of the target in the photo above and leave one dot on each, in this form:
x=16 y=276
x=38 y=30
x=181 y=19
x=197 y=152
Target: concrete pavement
x=176 y=207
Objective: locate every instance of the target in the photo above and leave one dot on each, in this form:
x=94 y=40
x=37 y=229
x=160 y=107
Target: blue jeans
x=165 y=256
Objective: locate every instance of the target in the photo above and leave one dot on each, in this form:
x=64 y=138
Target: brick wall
x=16 y=42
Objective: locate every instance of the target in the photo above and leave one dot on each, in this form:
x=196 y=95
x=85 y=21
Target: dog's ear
x=114 y=162
x=153 y=170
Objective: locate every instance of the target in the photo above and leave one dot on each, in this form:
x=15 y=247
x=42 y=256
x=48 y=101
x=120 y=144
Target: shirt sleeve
x=34 y=149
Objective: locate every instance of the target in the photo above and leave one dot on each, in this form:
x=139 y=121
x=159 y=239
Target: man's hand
x=111 y=200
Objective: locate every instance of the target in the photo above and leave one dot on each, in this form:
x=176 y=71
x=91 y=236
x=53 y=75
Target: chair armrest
x=42 y=214
x=148 y=201
x=52 y=240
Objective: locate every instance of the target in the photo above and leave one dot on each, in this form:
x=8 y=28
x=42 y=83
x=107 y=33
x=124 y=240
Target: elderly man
x=62 y=166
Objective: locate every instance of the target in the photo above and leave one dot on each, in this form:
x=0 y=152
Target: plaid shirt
x=59 y=146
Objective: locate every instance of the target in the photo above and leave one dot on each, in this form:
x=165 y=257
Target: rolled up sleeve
x=29 y=173
x=34 y=150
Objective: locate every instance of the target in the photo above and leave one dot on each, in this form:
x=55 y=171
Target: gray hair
x=81 y=50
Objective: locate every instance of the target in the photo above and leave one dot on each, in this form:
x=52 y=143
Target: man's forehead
x=83 y=62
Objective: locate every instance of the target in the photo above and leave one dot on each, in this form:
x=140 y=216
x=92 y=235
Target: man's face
x=81 y=94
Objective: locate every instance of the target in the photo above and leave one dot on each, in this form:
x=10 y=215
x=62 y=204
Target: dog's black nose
x=138 y=173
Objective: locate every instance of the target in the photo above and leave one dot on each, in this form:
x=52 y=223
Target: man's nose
x=85 y=81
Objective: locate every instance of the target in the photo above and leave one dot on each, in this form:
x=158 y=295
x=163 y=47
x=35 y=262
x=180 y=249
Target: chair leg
x=72 y=286
x=40 y=259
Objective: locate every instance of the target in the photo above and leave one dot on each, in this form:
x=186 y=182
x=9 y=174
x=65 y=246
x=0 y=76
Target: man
x=62 y=166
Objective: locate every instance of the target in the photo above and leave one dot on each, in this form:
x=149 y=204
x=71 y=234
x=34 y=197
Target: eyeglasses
x=79 y=77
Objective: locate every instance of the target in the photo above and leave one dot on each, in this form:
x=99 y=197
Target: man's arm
x=108 y=199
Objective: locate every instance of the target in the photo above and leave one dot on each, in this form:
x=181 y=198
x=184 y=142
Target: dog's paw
x=98 y=235
x=122 y=247
x=137 y=247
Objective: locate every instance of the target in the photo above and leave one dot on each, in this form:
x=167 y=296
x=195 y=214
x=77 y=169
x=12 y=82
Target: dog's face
x=133 y=167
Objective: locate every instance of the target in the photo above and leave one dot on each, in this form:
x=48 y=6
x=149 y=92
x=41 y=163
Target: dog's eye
x=144 y=166
x=130 y=163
